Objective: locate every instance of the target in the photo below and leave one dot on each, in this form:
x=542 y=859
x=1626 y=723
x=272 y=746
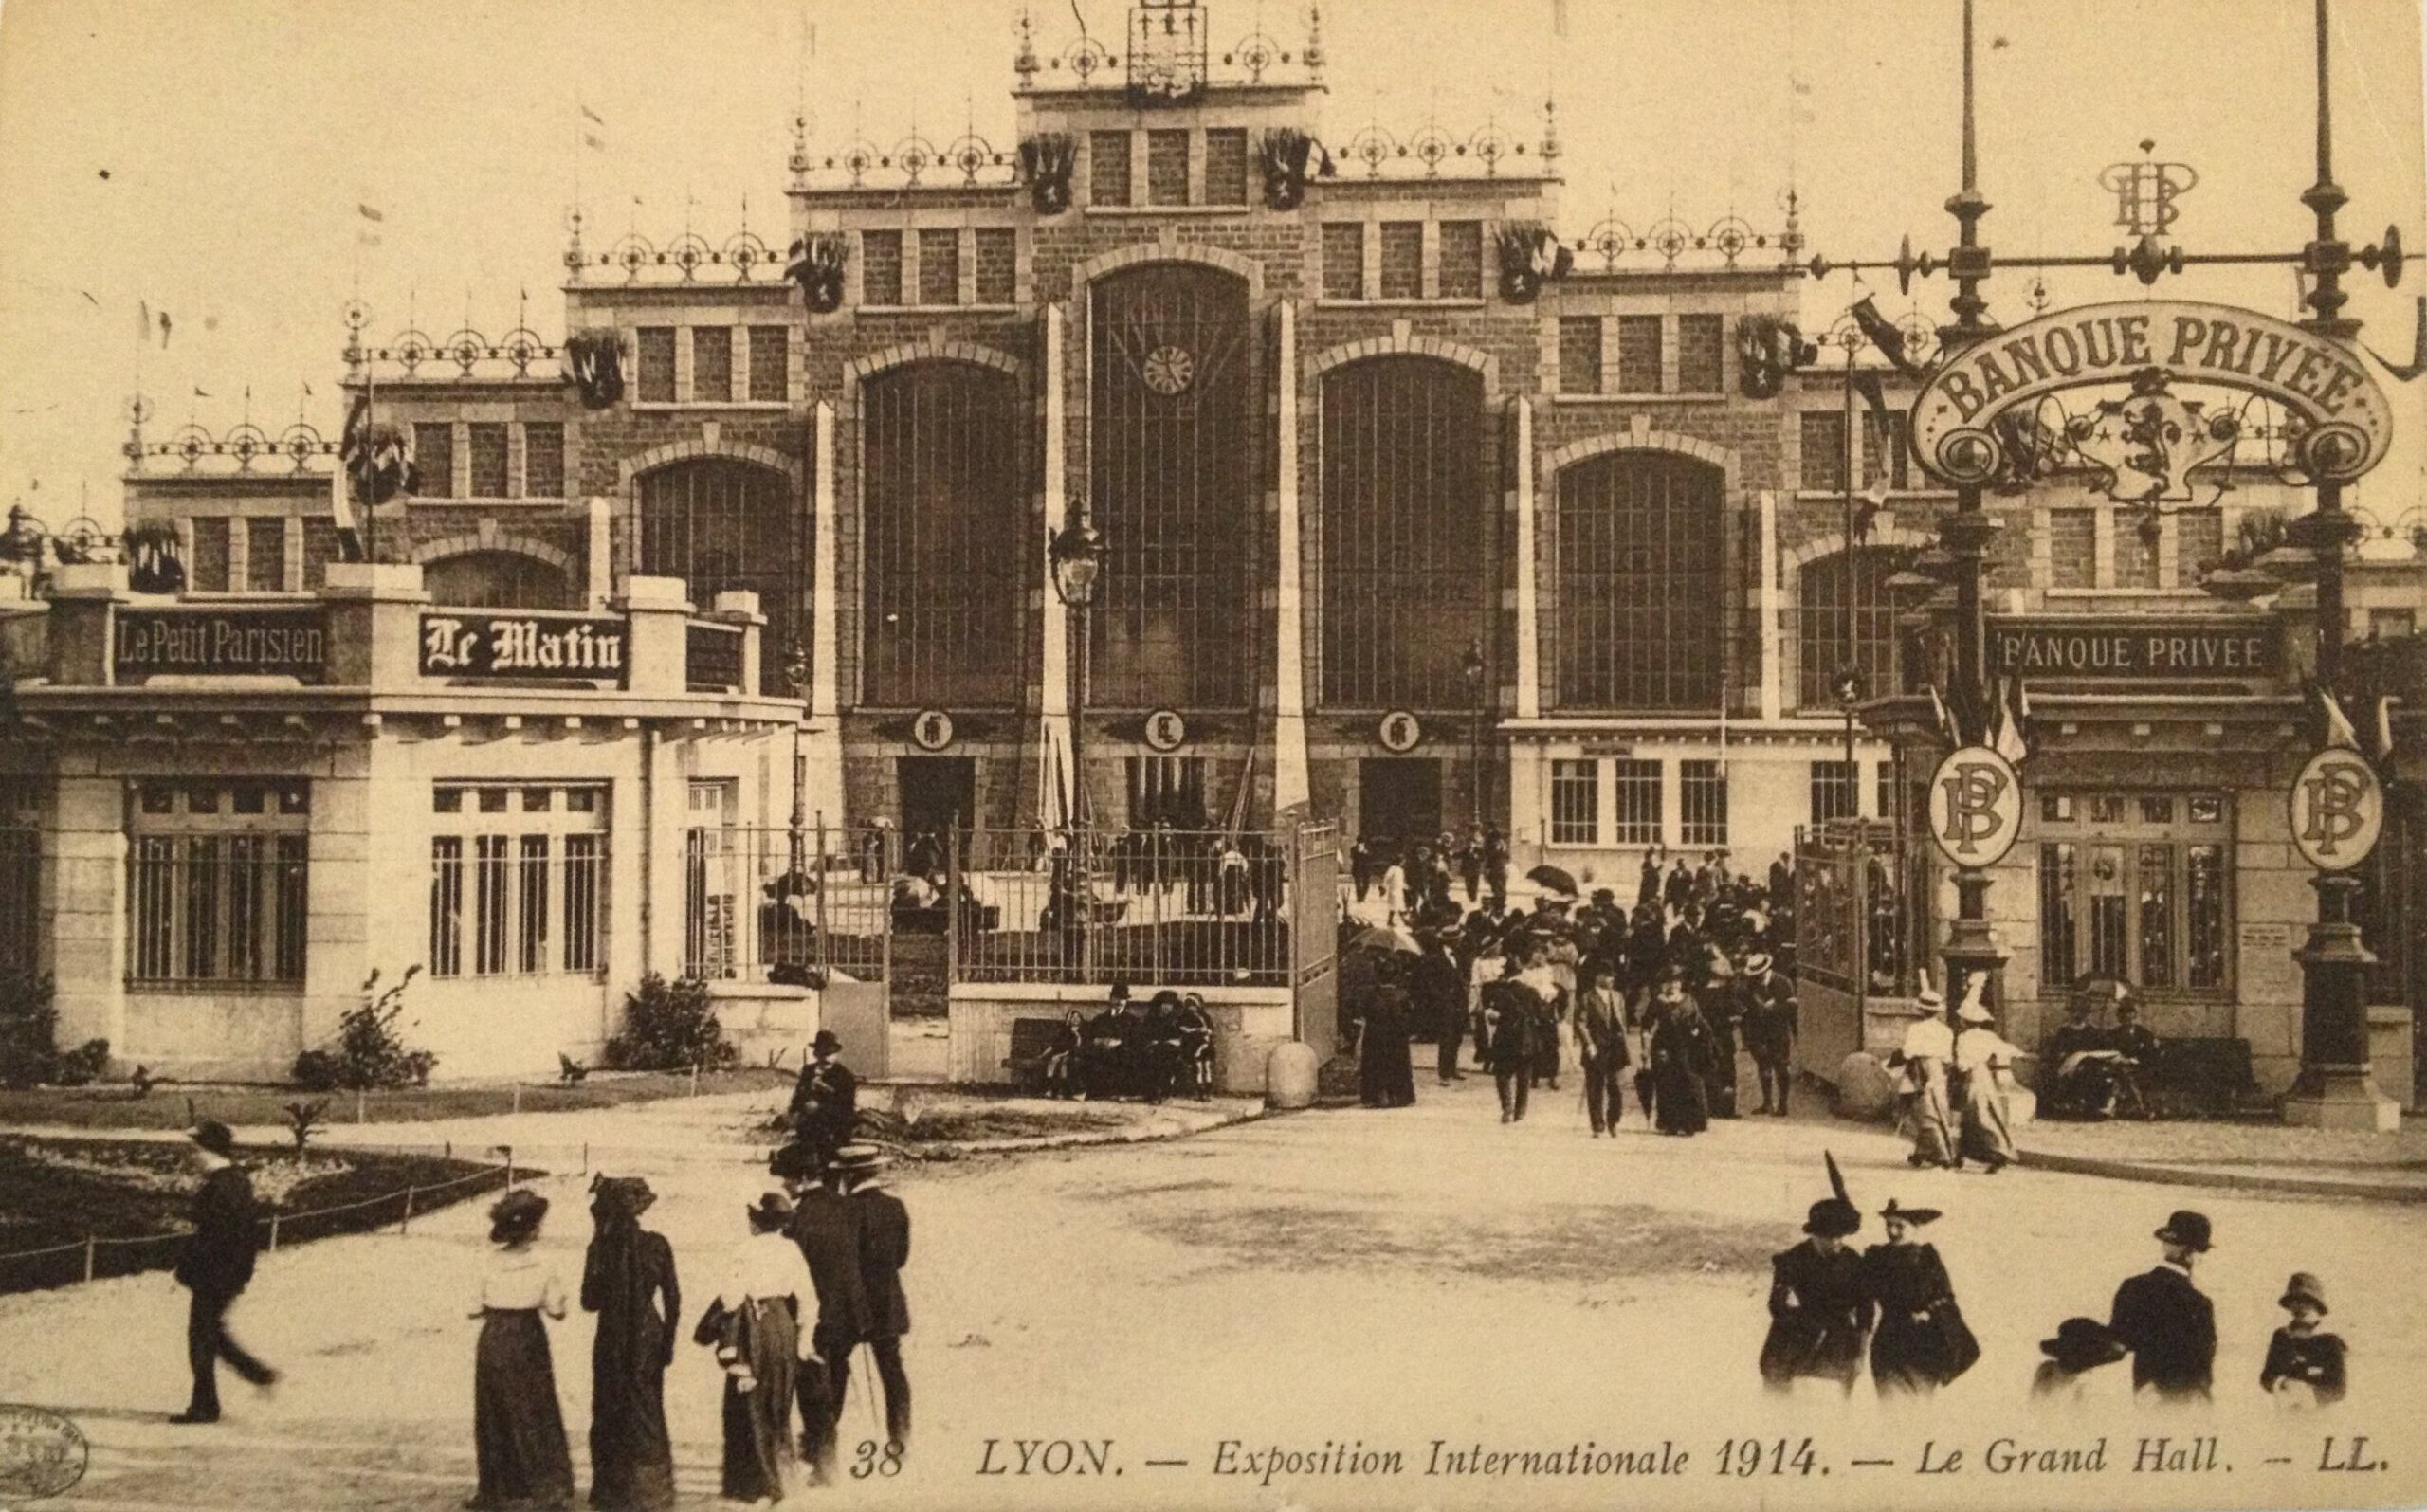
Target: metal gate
x=1314 y=936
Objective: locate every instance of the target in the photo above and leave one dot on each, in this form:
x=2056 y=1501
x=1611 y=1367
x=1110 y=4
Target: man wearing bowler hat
x=825 y=1099
x=826 y=1225
x=2168 y=1323
x=215 y=1267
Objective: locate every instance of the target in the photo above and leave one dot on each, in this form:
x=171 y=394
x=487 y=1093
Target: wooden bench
x=1032 y=1042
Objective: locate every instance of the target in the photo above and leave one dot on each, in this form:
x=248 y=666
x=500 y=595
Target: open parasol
x=1374 y=937
x=1552 y=878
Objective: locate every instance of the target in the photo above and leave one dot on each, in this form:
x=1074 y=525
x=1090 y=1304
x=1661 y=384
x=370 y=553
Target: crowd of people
x=1692 y=970
x=1147 y=1051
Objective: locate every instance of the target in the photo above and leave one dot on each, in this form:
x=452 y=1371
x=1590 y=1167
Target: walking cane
x=868 y=1387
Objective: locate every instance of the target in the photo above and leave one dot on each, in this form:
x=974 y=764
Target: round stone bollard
x=1289 y=1076
x=1865 y=1088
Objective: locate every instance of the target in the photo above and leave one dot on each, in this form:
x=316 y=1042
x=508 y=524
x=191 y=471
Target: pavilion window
x=434 y=458
x=1640 y=599
x=712 y=364
x=218 y=894
x=487 y=445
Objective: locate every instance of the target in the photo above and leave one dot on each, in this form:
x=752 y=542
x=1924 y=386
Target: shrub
x=669 y=1026
x=371 y=1050
x=29 y=1053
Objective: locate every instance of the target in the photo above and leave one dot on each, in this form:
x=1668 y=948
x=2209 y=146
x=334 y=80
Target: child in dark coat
x=2304 y=1367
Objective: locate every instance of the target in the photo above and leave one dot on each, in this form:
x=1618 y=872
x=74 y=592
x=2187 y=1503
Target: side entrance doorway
x=1398 y=797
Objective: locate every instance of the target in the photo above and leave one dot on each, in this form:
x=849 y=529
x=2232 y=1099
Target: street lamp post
x=1075 y=554
x=1473 y=667
x=797 y=677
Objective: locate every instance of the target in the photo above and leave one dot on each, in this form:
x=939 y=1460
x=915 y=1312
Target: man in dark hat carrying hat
x=2168 y=1323
x=215 y=1267
x=1820 y=1313
x=825 y=1099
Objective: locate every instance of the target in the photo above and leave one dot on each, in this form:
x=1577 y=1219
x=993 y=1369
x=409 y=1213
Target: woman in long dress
x=1981 y=1059
x=628 y=1282
x=1925 y=1059
x=1922 y=1341
x=756 y=1327
x=517 y=1430
x=1386 y=1078
x=1681 y=1058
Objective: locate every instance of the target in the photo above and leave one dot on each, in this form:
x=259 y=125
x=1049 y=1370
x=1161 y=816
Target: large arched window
x=1403 y=559
x=944 y=578
x=1168 y=438
x=719 y=523
x=497 y=579
x=1641 y=618
x=1845 y=618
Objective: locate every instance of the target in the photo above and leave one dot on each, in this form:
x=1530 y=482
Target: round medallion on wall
x=932 y=730
x=1166 y=732
x=1169 y=370
x=2338 y=810
x=1976 y=807
x=1399 y=732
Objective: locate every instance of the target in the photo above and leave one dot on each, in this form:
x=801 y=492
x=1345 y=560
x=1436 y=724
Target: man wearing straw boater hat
x=216 y=1266
x=2166 y=1321
x=1820 y=1313
x=884 y=1247
x=1767 y=1003
x=826 y=1225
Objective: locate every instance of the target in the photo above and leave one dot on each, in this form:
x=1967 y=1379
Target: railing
x=1852 y=926
x=1155 y=907
x=786 y=905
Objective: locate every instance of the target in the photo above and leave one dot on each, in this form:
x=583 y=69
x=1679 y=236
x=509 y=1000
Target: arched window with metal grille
x=1168 y=481
x=1641 y=618
x=1404 y=542
x=720 y=523
x=944 y=581
x=497 y=579
x=1845 y=620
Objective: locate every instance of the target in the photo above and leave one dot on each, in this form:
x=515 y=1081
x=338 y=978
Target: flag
x=2418 y=363
x=2381 y=731
x=2006 y=737
x=1884 y=335
x=1946 y=720
x=2334 y=726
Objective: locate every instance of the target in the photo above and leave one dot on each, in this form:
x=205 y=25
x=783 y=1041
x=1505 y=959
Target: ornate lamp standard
x=1075 y=554
x=1473 y=668
x=797 y=677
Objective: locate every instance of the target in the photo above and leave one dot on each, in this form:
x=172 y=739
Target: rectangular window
x=543 y=460
x=770 y=350
x=486 y=445
x=489 y=894
x=939 y=265
x=1461 y=260
x=1576 y=801
x=1168 y=790
x=2059 y=938
x=880 y=267
x=2204 y=887
x=1167 y=166
x=447 y=905
x=536 y=894
x=2110 y=915
x=1637 y=787
x=434 y=458
x=1402 y=260
x=712 y=364
x=1834 y=792
x=2154 y=897
x=654 y=379
x=319 y=549
x=1885 y=788
x=2392 y=624
x=1885 y=456
x=1640 y=353
x=2073 y=547
x=211 y=554
x=1702 y=803
x=998 y=265
x=1226 y=165
x=585 y=887
x=1108 y=166
x=1824 y=451
x=531 y=947
x=218 y=888
x=1699 y=338
x=1580 y=353
x=1343 y=260
x=265 y=554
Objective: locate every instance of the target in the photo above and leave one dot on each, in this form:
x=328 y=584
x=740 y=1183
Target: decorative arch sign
x=2148 y=442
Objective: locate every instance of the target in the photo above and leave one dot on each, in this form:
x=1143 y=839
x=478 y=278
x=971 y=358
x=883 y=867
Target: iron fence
x=1166 y=907
x=1852 y=920
x=784 y=906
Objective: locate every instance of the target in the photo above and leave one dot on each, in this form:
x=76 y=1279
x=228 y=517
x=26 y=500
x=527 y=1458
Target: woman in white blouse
x=1983 y=1061
x=517 y=1427
x=756 y=1326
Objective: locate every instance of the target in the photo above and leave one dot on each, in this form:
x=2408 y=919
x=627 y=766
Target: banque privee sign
x=2347 y=420
x=2082 y=648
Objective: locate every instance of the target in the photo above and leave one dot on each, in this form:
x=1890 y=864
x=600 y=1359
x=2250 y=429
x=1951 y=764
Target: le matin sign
x=2071 y=647
x=519 y=647
x=189 y=641
x=2349 y=418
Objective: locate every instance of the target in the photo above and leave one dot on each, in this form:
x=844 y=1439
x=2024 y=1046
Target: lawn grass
x=134 y=1195
x=116 y=1106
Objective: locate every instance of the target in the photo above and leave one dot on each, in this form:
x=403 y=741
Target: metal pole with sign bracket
x=2336 y=809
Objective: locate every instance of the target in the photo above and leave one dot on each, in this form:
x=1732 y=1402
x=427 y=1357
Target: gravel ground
x=1382 y=1278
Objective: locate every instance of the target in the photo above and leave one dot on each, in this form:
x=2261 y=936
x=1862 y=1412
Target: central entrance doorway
x=1399 y=797
x=939 y=795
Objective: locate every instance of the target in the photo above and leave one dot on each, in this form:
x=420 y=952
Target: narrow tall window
x=1167 y=166
x=770 y=363
x=1580 y=353
x=543 y=460
x=1461 y=260
x=486 y=445
x=1637 y=784
x=1226 y=166
x=1700 y=342
x=1576 y=801
x=1640 y=353
x=1108 y=166
x=213 y=553
x=939 y=265
x=1343 y=260
x=880 y=267
x=434 y=454
x=265 y=554
x=998 y=265
x=1824 y=451
x=655 y=381
x=1402 y=260
x=712 y=364
x=1702 y=803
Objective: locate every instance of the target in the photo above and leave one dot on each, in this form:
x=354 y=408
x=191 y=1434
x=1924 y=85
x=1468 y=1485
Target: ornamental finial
x=1314 y=49
x=1025 y=65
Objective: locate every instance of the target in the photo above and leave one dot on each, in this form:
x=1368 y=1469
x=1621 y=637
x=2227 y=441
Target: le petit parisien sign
x=522 y=646
x=185 y=642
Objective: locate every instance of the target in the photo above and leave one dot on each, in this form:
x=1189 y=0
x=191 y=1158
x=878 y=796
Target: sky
x=212 y=161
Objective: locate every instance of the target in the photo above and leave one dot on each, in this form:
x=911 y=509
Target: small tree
x=303 y=1120
x=670 y=1027
x=370 y=1050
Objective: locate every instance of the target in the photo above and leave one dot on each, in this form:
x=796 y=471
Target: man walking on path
x=1439 y=991
x=884 y=1247
x=216 y=1268
x=1769 y=1011
x=827 y=1227
x=1601 y=1037
x=2166 y=1321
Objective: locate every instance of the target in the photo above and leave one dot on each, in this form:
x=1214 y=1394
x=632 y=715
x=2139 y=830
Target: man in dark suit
x=885 y=1246
x=826 y=1225
x=1767 y=1007
x=215 y=1267
x=825 y=1099
x=2166 y=1321
x=1440 y=989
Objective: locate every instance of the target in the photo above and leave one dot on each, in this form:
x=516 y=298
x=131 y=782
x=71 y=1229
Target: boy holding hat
x=2168 y=1323
x=216 y=1266
x=2304 y=1367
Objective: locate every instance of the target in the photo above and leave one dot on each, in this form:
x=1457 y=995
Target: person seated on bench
x=2137 y=1049
x=1162 y=1058
x=1195 y=1033
x=1109 y=1055
x=1060 y=1056
x=2082 y=1062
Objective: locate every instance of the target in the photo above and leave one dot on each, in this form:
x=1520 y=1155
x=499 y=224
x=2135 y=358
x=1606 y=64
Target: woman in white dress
x=1983 y=1061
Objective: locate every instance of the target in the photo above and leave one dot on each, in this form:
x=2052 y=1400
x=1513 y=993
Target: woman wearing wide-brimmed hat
x=754 y=1327
x=1922 y=1341
x=1820 y=1312
x=629 y=1281
x=1982 y=1060
x=516 y=1427
x=1925 y=1060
